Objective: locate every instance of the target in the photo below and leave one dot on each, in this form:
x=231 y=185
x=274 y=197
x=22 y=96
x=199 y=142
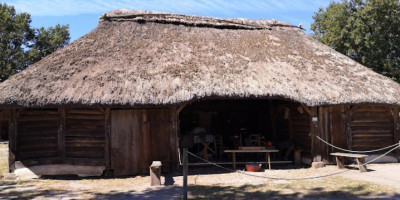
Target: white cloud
x=228 y=8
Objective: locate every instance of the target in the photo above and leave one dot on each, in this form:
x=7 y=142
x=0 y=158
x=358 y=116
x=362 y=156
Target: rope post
x=185 y=172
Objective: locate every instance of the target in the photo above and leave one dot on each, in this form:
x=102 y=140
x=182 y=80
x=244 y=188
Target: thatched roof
x=145 y=58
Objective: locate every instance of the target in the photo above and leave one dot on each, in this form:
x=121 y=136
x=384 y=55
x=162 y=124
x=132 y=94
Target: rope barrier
x=369 y=151
x=266 y=177
x=290 y=179
x=381 y=155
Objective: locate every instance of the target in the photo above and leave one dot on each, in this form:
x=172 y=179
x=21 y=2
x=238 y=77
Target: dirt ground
x=380 y=182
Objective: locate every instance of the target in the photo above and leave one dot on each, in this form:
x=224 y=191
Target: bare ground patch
x=204 y=183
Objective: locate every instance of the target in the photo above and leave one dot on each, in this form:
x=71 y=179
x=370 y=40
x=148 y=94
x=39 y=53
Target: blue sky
x=83 y=15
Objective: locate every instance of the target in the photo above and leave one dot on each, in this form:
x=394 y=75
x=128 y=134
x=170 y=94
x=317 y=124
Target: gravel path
x=383 y=174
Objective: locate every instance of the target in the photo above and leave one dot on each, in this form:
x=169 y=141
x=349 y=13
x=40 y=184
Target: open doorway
x=210 y=127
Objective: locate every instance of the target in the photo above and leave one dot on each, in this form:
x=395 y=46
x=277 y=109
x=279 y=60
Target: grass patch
x=331 y=187
x=3 y=159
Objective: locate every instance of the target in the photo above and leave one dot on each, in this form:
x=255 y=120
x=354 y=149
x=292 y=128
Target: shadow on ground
x=248 y=192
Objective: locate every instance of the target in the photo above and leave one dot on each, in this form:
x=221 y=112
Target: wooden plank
x=66 y=160
x=136 y=141
x=85 y=122
x=347 y=121
x=315 y=130
x=350 y=155
x=38 y=118
x=84 y=139
x=373 y=119
x=377 y=134
x=372 y=124
x=98 y=133
x=37 y=132
x=306 y=108
x=145 y=143
x=85 y=152
x=38 y=124
x=35 y=149
x=61 y=132
x=396 y=124
x=38 y=112
x=91 y=144
x=85 y=111
x=31 y=155
x=122 y=145
x=12 y=136
x=85 y=127
x=107 y=137
x=174 y=139
x=376 y=131
x=85 y=117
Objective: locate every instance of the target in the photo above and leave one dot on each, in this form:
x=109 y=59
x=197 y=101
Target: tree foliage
x=22 y=45
x=367 y=31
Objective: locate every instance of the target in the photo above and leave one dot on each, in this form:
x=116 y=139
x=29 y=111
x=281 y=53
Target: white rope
x=266 y=177
x=369 y=151
x=380 y=156
x=290 y=179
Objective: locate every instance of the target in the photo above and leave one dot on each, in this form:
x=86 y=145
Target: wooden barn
x=136 y=89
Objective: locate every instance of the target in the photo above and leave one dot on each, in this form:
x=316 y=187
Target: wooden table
x=360 y=160
x=266 y=151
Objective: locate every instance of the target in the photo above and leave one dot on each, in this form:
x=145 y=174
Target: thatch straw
x=139 y=58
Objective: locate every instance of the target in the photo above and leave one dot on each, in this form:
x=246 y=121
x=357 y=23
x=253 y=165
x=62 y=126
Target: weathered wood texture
x=107 y=137
x=332 y=129
x=84 y=134
x=139 y=137
x=37 y=133
x=125 y=149
x=157 y=138
x=300 y=127
x=12 y=134
x=372 y=127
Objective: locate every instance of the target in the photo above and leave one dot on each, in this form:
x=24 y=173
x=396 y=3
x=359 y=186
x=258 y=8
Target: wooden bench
x=360 y=160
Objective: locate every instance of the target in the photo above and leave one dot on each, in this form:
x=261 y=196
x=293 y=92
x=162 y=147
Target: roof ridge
x=192 y=20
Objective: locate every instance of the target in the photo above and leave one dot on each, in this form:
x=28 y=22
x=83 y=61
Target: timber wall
x=300 y=127
x=90 y=137
x=354 y=127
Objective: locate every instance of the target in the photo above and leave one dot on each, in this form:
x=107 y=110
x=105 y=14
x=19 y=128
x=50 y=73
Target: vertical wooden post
x=145 y=136
x=185 y=172
x=107 y=135
x=315 y=143
x=347 y=124
x=12 y=138
x=396 y=125
x=173 y=140
x=1 y=128
x=61 y=132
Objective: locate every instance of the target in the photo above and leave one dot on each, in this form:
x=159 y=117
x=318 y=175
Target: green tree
x=22 y=45
x=367 y=31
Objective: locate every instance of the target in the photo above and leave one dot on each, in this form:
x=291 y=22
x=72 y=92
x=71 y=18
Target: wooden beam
x=354 y=108
x=347 y=124
x=315 y=130
x=61 y=132
x=107 y=136
x=396 y=125
x=174 y=139
x=306 y=108
x=180 y=108
x=12 y=137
